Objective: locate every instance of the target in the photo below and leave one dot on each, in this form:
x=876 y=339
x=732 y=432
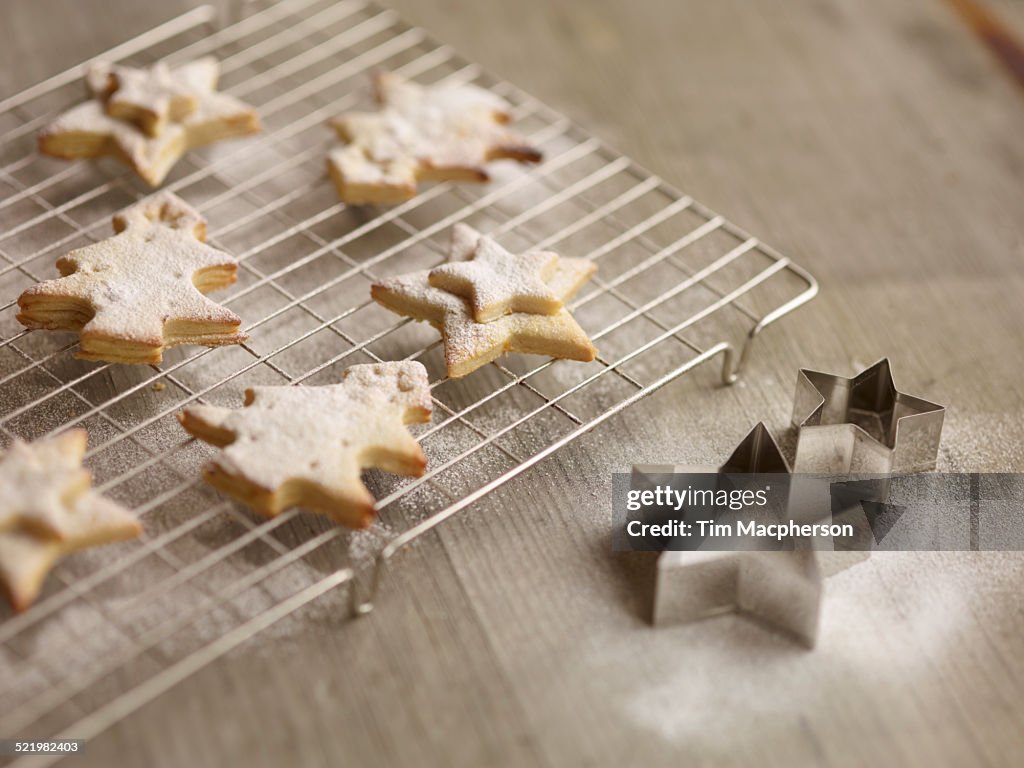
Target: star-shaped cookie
x=306 y=446
x=141 y=291
x=497 y=282
x=469 y=344
x=38 y=482
x=48 y=510
x=439 y=133
x=146 y=97
x=168 y=111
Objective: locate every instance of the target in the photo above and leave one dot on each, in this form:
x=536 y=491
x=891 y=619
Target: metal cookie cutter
x=863 y=424
x=781 y=589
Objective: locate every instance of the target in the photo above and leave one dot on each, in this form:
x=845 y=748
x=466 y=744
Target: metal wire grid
x=117 y=626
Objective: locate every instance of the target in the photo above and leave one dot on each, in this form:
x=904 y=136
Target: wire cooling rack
x=117 y=626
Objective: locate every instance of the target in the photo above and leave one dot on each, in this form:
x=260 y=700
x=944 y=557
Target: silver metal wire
x=678 y=286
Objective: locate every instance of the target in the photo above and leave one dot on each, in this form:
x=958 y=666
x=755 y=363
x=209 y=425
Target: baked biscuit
x=497 y=282
x=141 y=291
x=469 y=344
x=146 y=97
x=154 y=141
x=306 y=446
x=421 y=133
x=47 y=510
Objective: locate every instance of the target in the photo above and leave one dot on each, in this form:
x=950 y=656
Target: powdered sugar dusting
x=470 y=344
x=322 y=435
x=421 y=130
x=496 y=282
x=917 y=607
x=87 y=130
x=136 y=282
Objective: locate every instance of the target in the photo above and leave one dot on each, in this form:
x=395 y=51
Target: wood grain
x=881 y=146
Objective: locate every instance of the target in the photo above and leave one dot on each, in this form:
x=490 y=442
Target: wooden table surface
x=881 y=146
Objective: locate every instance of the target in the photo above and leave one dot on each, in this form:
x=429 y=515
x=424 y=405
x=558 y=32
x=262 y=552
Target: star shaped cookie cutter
x=779 y=589
x=863 y=424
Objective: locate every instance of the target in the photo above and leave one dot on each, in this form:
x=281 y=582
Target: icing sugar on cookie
x=497 y=282
x=306 y=446
x=48 y=510
x=146 y=97
x=148 y=118
x=439 y=133
x=470 y=344
x=141 y=291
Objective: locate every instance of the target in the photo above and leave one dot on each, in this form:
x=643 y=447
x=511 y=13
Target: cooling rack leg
x=358 y=605
x=733 y=368
x=733 y=364
x=361 y=600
